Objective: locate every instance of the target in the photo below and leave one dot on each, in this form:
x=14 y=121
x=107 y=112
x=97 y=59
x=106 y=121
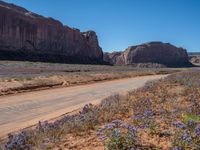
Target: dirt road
x=23 y=110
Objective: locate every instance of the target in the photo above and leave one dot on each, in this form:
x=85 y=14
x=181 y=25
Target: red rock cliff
x=27 y=36
x=152 y=52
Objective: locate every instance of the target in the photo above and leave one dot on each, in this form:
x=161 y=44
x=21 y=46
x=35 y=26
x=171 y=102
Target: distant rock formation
x=152 y=52
x=194 y=57
x=27 y=36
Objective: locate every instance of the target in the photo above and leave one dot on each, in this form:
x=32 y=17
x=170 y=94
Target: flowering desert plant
x=187 y=135
x=118 y=136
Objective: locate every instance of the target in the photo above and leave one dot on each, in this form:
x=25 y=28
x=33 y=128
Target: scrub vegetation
x=164 y=114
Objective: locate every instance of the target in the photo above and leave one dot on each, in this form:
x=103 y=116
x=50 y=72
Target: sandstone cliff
x=27 y=36
x=153 y=52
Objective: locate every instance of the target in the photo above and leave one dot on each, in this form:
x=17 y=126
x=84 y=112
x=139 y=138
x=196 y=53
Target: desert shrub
x=188 y=78
x=193 y=96
x=111 y=106
x=189 y=117
x=87 y=119
x=19 y=141
x=143 y=114
x=187 y=135
x=118 y=136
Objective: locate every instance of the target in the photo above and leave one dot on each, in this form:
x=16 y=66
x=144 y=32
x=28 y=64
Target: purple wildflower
x=137 y=117
x=116 y=133
x=191 y=123
x=131 y=128
x=99 y=132
x=18 y=141
x=197 y=130
x=148 y=112
x=117 y=122
x=177 y=148
x=186 y=137
x=86 y=109
x=109 y=126
x=179 y=124
x=103 y=138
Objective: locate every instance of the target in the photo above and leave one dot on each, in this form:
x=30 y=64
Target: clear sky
x=122 y=23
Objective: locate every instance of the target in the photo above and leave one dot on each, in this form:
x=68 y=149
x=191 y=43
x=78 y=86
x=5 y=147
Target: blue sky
x=122 y=23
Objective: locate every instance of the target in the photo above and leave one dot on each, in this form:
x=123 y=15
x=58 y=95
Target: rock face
x=27 y=36
x=153 y=52
x=194 y=58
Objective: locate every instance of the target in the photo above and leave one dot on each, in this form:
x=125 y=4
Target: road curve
x=23 y=110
